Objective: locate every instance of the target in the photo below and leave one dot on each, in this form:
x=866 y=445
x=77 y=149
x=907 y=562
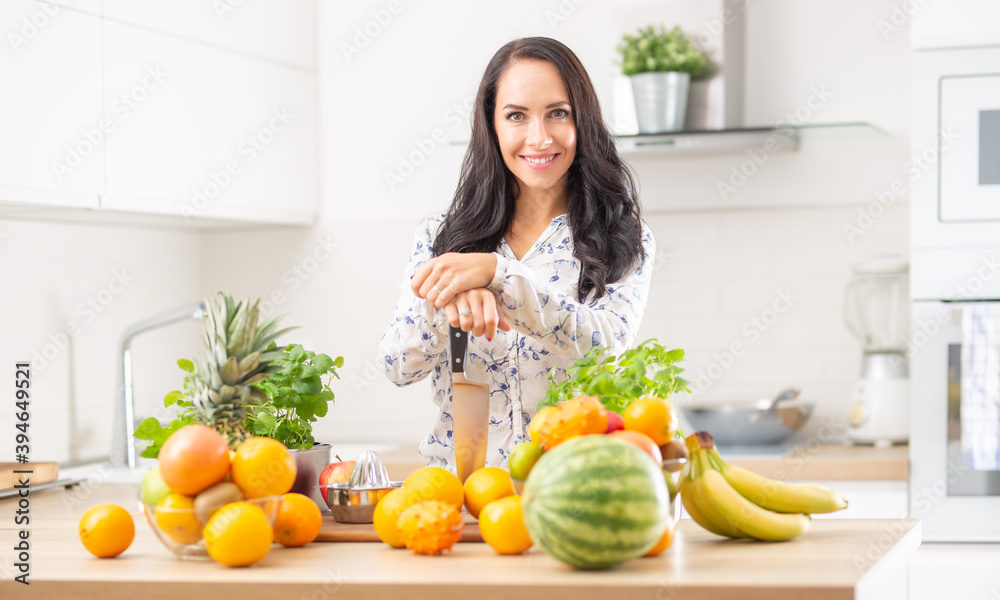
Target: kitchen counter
x=810 y=462
x=836 y=559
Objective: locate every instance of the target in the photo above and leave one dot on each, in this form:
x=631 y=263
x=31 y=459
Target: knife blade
x=470 y=410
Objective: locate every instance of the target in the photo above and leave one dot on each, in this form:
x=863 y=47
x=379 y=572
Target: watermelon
x=595 y=502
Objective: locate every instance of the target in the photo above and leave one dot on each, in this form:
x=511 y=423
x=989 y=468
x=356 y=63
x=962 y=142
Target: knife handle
x=459 y=341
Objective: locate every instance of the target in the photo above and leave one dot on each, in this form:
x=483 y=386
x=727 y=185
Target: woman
x=541 y=256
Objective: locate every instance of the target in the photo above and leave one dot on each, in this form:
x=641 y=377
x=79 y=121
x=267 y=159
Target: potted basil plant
x=660 y=65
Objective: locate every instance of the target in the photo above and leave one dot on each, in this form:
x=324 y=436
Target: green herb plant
x=283 y=407
x=617 y=381
x=657 y=50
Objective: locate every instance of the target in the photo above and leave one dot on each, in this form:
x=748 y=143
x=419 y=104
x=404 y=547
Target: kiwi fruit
x=214 y=498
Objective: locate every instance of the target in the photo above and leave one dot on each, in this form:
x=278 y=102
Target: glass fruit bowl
x=180 y=529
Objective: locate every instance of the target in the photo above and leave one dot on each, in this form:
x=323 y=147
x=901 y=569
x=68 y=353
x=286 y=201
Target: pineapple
x=236 y=357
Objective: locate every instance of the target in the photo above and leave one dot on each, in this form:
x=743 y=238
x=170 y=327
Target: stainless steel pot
x=308 y=465
x=748 y=423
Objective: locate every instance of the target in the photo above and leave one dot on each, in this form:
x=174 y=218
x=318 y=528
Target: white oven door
x=955 y=421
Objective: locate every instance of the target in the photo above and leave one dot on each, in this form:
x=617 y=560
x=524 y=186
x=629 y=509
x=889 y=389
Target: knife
x=470 y=410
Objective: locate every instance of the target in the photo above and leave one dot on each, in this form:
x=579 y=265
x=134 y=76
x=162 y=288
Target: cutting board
x=44 y=472
x=333 y=531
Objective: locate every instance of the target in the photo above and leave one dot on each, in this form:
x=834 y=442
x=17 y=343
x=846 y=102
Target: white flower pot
x=660 y=101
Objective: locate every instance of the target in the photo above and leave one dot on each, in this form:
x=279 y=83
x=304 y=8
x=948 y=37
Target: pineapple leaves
x=244 y=383
x=647 y=370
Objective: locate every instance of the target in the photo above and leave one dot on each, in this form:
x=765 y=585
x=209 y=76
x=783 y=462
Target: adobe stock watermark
x=92 y=138
x=914 y=168
x=712 y=29
x=249 y=148
x=456 y=116
x=925 y=329
x=30 y=26
x=741 y=173
x=563 y=11
x=296 y=275
x=87 y=311
x=752 y=329
x=224 y=7
x=893 y=532
x=366 y=33
x=925 y=498
x=901 y=13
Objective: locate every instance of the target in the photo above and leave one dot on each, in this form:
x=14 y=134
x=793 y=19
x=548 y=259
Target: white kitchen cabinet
x=207 y=133
x=52 y=146
x=283 y=31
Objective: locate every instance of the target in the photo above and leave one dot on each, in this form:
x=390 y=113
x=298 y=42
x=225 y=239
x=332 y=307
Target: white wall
x=69 y=292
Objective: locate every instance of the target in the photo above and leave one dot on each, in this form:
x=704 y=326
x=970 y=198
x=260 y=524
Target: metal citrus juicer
x=354 y=501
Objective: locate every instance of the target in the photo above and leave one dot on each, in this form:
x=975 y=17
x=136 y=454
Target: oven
x=955 y=289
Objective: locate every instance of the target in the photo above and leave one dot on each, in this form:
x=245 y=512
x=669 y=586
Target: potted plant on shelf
x=660 y=65
x=246 y=385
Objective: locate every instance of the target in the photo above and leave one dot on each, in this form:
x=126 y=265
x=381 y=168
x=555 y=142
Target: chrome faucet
x=123 y=447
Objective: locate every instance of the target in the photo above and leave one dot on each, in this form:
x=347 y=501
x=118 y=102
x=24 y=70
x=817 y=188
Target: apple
x=615 y=422
x=153 y=487
x=641 y=441
x=337 y=472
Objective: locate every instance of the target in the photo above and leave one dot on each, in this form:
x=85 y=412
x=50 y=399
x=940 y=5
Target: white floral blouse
x=550 y=328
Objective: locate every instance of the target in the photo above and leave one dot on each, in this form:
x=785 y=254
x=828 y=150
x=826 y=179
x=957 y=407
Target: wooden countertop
x=810 y=462
x=836 y=559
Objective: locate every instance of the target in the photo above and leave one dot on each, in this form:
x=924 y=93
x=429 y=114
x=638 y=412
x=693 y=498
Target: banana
x=754 y=521
x=687 y=493
x=777 y=495
x=700 y=494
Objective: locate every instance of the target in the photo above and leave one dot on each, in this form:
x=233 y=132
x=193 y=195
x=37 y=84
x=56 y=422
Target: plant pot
x=309 y=464
x=660 y=101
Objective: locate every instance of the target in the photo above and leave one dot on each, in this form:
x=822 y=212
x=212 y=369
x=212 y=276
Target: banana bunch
x=733 y=502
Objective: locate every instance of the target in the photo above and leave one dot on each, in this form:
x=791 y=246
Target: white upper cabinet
x=190 y=112
x=51 y=145
x=205 y=132
x=283 y=31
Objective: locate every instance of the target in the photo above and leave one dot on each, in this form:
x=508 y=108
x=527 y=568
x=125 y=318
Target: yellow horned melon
x=430 y=527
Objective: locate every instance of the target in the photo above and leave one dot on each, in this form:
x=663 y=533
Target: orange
x=502 y=524
x=436 y=483
x=484 y=486
x=654 y=417
x=238 y=535
x=106 y=530
x=298 y=521
x=665 y=541
x=387 y=513
x=263 y=467
x=176 y=518
x=193 y=458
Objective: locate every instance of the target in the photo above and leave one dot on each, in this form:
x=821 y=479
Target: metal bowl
x=748 y=424
x=355 y=505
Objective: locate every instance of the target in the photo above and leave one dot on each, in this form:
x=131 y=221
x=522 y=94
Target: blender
x=876 y=310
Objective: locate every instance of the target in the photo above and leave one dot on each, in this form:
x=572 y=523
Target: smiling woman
x=541 y=256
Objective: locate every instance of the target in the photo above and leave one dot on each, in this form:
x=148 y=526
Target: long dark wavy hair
x=603 y=206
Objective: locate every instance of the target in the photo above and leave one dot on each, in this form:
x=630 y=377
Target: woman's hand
x=442 y=278
x=476 y=311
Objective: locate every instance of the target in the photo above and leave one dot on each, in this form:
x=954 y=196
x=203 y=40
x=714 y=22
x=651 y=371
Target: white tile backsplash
x=713 y=295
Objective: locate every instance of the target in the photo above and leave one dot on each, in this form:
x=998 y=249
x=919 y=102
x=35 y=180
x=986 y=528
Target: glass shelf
x=721 y=141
